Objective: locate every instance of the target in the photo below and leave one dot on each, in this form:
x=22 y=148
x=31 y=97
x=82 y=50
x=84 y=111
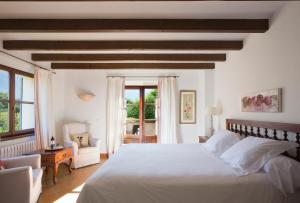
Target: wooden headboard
x=270 y=130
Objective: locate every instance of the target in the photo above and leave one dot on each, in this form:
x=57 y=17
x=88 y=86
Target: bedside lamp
x=213 y=111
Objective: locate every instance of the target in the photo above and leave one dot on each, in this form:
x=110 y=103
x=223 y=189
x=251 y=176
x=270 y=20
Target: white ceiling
x=133 y=9
x=123 y=36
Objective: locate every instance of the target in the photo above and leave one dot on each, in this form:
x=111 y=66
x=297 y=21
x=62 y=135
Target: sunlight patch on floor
x=79 y=188
x=70 y=197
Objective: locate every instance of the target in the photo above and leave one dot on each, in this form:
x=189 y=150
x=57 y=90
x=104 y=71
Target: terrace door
x=141 y=114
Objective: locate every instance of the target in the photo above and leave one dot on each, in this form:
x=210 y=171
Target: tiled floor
x=68 y=186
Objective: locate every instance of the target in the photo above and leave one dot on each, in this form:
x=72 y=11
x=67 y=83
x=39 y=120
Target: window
x=4 y=101
x=16 y=103
x=141 y=120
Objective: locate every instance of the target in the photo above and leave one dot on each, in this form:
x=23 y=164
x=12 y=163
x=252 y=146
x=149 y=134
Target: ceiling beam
x=105 y=0
x=121 y=45
x=135 y=25
x=133 y=66
x=124 y=57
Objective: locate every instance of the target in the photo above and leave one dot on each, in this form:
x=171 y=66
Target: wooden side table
x=54 y=158
x=203 y=139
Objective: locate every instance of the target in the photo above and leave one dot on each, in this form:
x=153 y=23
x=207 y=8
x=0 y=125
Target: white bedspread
x=185 y=173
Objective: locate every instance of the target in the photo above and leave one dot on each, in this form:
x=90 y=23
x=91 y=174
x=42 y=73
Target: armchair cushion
x=37 y=175
x=19 y=180
x=74 y=128
x=82 y=139
x=87 y=150
x=95 y=142
x=73 y=145
x=31 y=160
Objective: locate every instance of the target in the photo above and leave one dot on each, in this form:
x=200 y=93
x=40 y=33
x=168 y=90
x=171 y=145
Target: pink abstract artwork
x=264 y=101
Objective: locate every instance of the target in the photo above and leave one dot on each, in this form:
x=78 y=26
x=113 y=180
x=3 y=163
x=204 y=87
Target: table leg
x=46 y=169
x=55 y=170
x=69 y=166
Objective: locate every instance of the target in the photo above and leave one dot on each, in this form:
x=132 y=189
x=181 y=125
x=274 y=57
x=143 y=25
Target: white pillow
x=250 y=154
x=284 y=173
x=221 y=141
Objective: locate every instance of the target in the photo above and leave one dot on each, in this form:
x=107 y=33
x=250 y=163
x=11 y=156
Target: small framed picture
x=187 y=106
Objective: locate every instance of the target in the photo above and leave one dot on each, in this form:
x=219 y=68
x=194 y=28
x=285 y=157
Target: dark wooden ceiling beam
x=133 y=66
x=135 y=25
x=124 y=57
x=105 y=0
x=121 y=45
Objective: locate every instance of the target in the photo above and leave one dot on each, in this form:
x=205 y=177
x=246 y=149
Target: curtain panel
x=115 y=114
x=44 y=122
x=167 y=88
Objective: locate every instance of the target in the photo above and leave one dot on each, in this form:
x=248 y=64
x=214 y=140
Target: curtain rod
x=141 y=76
x=26 y=61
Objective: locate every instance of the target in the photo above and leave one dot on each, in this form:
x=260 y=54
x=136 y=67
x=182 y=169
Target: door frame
x=142 y=88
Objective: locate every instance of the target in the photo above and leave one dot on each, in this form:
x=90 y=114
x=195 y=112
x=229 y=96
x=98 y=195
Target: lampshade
x=86 y=96
x=213 y=111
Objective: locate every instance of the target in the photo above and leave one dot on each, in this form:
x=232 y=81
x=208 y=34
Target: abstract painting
x=263 y=101
x=187 y=106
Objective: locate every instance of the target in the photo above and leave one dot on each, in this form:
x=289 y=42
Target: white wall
x=94 y=112
x=268 y=60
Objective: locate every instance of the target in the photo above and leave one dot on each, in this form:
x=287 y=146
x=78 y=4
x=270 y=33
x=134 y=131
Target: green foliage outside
x=4 y=125
x=4 y=116
x=133 y=106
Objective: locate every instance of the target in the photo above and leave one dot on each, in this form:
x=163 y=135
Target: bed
x=144 y=173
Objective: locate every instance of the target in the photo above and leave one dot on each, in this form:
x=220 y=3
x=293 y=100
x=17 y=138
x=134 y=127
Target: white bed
x=155 y=173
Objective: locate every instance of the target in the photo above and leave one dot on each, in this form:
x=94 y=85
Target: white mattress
x=155 y=173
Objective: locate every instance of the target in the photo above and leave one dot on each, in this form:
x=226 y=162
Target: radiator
x=17 y=149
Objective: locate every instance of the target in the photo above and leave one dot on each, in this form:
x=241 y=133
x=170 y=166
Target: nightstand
x=203 y=139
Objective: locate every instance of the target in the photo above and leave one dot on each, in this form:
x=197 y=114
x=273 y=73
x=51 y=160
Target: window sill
x=16 y=136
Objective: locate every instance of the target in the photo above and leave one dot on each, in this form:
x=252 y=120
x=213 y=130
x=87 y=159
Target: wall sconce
x=86 y=96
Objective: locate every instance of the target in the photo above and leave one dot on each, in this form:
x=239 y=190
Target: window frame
x=12 y=133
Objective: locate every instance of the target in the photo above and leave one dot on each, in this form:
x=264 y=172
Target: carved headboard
x=270 y=130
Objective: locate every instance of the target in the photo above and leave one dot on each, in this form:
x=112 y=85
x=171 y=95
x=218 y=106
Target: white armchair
x=82 y=156
x=21 y=181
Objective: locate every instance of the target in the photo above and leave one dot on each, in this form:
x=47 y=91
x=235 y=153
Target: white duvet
x=184 y=173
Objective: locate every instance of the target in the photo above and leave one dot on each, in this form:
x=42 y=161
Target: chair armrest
x=95 y=142
x=73 y=145
x=33 y=160
x=16 y=184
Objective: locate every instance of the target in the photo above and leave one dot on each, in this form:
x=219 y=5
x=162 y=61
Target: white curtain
x=167 y=87
x=44 y=123
x=115 y=113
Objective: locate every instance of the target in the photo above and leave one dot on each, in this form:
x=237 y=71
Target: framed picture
x=262 y=101
x=187 y=107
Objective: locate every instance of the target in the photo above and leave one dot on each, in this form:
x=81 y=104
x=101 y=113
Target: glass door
x=141 y=114
x=132 y=123
x=150 y=115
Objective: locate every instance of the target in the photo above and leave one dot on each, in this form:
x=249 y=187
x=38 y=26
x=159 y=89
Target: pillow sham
x=82 y=139
x=283 y=172
x=221 y=141
x=250 y=154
